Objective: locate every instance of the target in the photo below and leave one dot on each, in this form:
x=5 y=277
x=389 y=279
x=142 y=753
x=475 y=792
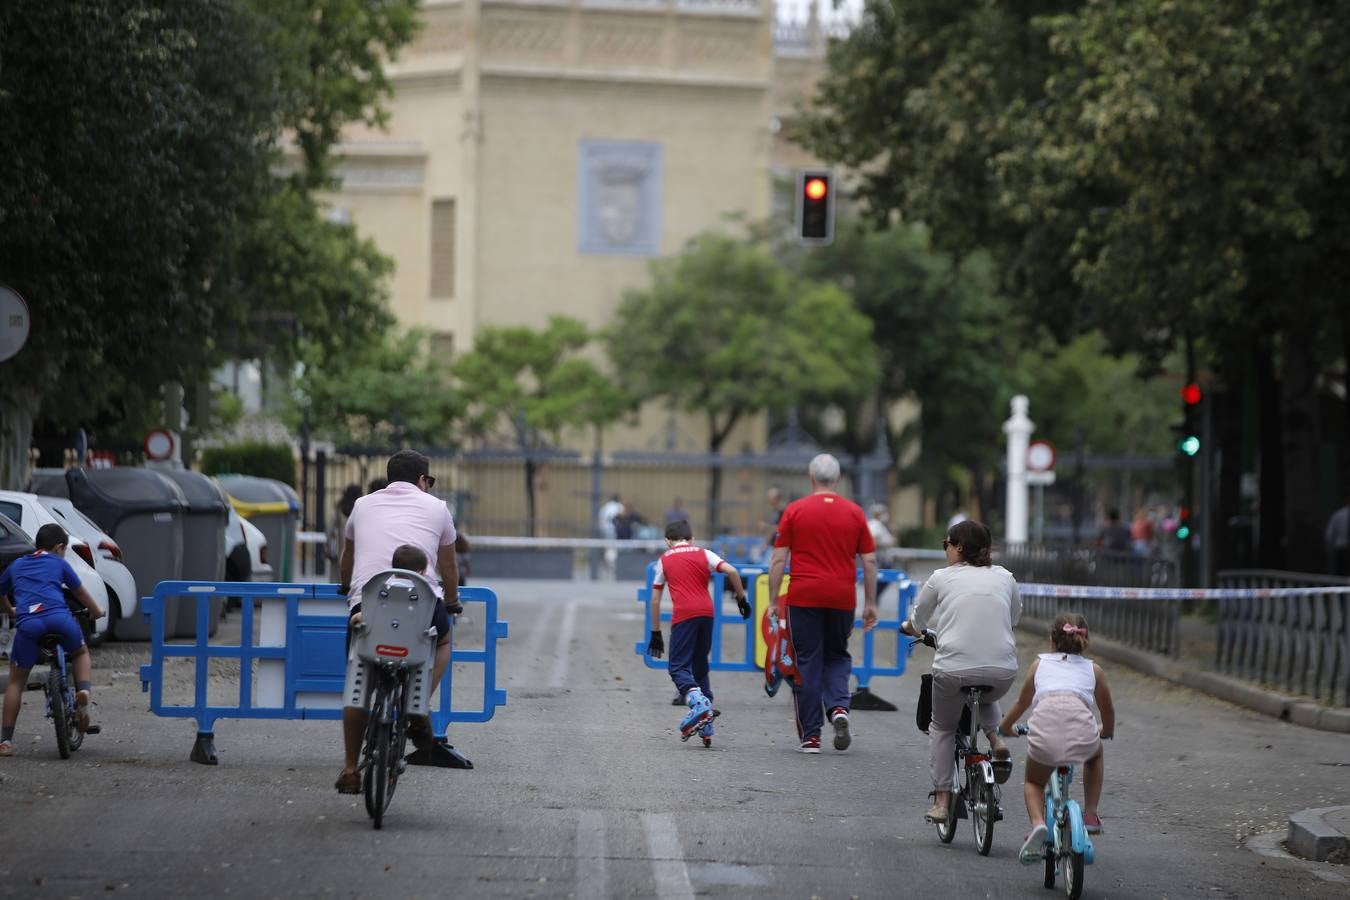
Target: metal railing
x=1075 y=564
x=1287 y=629
x=1147 y=619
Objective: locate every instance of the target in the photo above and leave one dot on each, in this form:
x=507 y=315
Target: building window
x=442 y=345
x=442 y=249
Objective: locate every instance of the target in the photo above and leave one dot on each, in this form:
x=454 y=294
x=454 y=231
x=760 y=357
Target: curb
x=1279 y=706
x=1312 y=838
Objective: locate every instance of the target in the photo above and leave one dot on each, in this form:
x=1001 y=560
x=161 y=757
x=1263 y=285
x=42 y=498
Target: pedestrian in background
x=1114 y=537
x=341 y=514
x=878 y=524
x=607 y=522
x=823 y=534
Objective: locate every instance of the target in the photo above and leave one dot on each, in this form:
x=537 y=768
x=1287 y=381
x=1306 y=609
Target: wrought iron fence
x=1074 y=564
x=1287 y=629
x=1136 y=617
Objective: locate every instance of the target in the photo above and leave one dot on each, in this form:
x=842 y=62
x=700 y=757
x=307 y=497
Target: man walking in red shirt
x=824 y=533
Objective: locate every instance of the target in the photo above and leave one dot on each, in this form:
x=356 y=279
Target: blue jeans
x=820 y=641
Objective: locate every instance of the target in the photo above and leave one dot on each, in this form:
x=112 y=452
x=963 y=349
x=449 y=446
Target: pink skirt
x=1062 y=731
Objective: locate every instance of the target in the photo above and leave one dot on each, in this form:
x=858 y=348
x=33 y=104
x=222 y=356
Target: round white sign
x=159 y=445
x=1040 y=456
x=14 y=323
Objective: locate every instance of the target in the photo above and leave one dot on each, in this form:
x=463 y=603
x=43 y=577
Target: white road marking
x=591 y=853
x=562 y=649
x=663 y=845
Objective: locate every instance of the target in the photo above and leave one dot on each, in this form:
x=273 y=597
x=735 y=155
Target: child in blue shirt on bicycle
x=1060 y=689
x=31 y=592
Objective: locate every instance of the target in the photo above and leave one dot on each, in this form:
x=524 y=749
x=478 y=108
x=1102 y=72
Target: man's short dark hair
x=407 y=465
x=50 y=536
x=409 y=557
x=679 y=530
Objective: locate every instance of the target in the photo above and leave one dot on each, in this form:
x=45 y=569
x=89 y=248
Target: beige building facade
x=539 y=155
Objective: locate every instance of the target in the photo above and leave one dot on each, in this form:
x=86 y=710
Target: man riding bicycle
x=405 y=512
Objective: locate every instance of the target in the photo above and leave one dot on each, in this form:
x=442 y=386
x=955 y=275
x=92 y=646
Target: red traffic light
x=816 y=188
x=1190 y=394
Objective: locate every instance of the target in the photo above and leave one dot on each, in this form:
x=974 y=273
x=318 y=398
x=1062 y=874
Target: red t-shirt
x=824 y=533
x=688 y=569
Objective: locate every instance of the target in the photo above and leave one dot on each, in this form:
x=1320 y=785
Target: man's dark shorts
x=440 y=619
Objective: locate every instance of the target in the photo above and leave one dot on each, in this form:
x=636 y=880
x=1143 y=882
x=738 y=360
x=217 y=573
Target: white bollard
x=1018 y=428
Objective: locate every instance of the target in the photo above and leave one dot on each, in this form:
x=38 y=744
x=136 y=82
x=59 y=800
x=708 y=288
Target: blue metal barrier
x=300 y=653
x=752 y=576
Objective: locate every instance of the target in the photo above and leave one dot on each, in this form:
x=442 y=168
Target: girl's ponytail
x=1069 y=634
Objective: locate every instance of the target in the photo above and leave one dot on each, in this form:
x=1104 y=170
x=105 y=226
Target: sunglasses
x=431 y=481
x=946 y=543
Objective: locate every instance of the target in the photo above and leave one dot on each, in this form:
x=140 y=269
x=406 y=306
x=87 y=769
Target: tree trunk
x=18 y=406
x=716 y=437
x=1270 y=552
x=1301 y=432
x=530 y=466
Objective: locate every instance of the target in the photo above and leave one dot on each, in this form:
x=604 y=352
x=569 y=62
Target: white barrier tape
x=547 y=543
x=1088 y=592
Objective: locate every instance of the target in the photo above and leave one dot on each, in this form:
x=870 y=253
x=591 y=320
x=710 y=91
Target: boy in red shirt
x=688 y=569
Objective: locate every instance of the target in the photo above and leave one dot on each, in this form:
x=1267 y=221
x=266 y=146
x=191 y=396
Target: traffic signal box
x=1188 y=432
x=815 y=207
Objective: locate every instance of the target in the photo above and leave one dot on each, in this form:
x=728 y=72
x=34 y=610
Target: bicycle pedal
x=93 y=729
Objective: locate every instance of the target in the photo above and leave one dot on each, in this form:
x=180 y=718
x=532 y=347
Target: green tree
x=726 y=331
x=139 y=215
x=389 y=392
x=942 y=338
x=1188 y=173
x=532 y=385
x=133 y=142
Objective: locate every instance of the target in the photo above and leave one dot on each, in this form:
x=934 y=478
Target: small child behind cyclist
x=688 y=569
x=1060 y=688
x=31 y=591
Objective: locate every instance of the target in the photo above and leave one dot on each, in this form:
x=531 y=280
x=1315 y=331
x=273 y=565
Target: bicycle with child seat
x=386 y=737
x=975 y=792
x=1067 y=843
x=60 y=693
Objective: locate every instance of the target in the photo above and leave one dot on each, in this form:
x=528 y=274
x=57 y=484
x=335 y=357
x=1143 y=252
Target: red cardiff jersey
x=824 y=533
x=688 y=569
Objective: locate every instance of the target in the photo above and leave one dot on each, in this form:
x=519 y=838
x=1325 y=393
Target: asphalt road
x=583 y=789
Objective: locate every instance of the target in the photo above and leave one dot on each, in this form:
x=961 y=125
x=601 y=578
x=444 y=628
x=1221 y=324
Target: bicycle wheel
x=56 y=702
x=947 y=830
x=982 y=813
x=1073 y=875
x=378 y=746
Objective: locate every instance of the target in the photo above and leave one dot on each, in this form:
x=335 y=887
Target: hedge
x=254 y=458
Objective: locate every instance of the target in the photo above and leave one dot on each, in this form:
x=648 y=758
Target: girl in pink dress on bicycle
x=1060 y=689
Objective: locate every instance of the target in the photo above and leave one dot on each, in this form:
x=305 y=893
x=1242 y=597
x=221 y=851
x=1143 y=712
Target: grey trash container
x=274 y=507
x=143 y=511
x=204 y=521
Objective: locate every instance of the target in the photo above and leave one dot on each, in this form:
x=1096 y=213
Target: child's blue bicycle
x=1067 y=843
x=60 y=693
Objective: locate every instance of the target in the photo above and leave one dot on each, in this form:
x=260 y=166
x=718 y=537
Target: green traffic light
x=1189 y=445
x=1183 y=532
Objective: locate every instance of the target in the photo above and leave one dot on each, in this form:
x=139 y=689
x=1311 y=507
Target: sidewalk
x=1322 y=835
x=1194 y=668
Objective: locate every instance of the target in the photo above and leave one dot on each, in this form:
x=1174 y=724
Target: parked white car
x=30 y=514
x=250 y=564
x=123 y=599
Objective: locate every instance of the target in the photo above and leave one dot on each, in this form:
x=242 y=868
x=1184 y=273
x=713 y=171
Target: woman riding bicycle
x=971 y=606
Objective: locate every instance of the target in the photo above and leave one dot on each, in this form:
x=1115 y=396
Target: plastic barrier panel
x=756 y=579
x=296 y=667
